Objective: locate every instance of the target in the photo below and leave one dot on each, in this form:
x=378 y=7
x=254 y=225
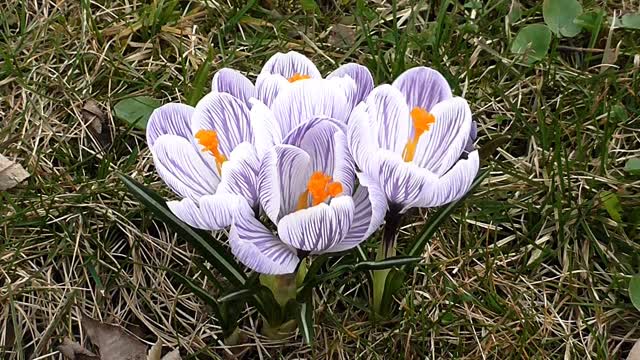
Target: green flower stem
x=283 y=287
x=386 y=249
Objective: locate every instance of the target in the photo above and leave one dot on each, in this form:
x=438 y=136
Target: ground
x=531 y=265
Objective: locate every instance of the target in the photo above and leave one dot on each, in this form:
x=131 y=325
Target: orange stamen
x=321 y=187
x=422 y=121
x=209 y=140
x=297 y=77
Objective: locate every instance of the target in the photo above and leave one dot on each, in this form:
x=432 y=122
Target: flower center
x=321 y=187
x=297 y=77
x=209 y=139
x=422 y=121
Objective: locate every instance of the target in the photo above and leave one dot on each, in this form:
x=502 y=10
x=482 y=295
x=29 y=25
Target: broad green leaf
x=394 y=281
x=560 y=16
x=633 y=166
x=612 y=205
x=305 y=321
x=208 y=247
x=532 y=41
x=515 y=11
x=592 y=20
x=136 y=110
x=630 y=21
x=634 y=291
x=309 y=6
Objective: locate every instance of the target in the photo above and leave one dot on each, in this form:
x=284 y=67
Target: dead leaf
x=610 y=54
x=113 y=342
x=156 y=351
x=96 y=122
x=342 y=36
x=74 y=351
x=11 y=174
x=174 y=355
x=634 y=354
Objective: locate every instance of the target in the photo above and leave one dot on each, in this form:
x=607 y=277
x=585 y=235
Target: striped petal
x=169 y=119
x=362 y=77
x=225 y=114
x=233 y=83
x=181 y=167
x=290 y=64
x=284 y=172
x=318 y=228
x=423 y=87
x=211 y=212
x=240 y=174
x=453 y=185
x=307 y=99
x=268 y=86
x=256 y=247
x=440 y=147
x=266 y=129
x=390 y=115
x=362 y=135
x=370 y=208
x=325 y=142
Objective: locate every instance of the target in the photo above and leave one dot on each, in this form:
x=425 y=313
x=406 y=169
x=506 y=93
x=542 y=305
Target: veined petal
x=289 y=64
x=318 y=228
x=268 y=87
x=211 y=212
x=423 y=87
x=233 y=83
x=370 y=208
x=362 y=135
x=226 y=115
x=403 y=182
x=181 y=167
x=390 y=114
x=307 y=99
x=256 y=247
x=361 y=75
x=325 y=142
x=284 y=172
x=452 y=185
x=240 y=174
x=266 y=129
x=440 y=147
x=169 y=119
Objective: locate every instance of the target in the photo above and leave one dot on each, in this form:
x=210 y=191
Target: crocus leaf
x=208 y=247
x=560 y=16
x=612 y=204
x=630 y=21
x=236 y=295
x=305 y=321
x=388 y=263
x=532 y=41
x=634 y=291
x=136 y=110
x=200 y=293
x=417 y=247
x=393 y=283
x=632 y=166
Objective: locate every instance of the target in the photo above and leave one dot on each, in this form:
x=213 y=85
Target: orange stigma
x=297 y=77
x=422 y=121
x=209 y=139
x=320 y=187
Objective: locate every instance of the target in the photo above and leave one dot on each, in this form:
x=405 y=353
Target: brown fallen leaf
x=96 y=122
x=11 y=174
x=610 y=54
x=342 y=36
x=74 y=351
x=634 y=354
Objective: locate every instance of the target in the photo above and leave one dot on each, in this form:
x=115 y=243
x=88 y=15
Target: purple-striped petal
x=390 y=114
x=370 y=209
x=283 y=176
x=266 y=130
x=423 y=87
x=452 y=185
x=240 y=174
x=307 y=99
x=225 y=114
x=362 y=135
x=361 y=75
x=268 y=86
x=169 y=119
x=318 y=228
x=211 y=212
x=325 y=142
x=290 y=64
x=440 y=147
x=233 y=83
x=256 y=247
x=181 y=167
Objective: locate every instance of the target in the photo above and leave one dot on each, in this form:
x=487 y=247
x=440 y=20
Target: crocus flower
x=206 y=156
x=416 y=140
x=307 y=190
x=282 y=70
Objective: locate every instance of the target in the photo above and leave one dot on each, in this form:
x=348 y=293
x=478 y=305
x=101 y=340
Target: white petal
x=289 y=64
x=265 y=127
x=212 y=212
x=390 y=115
x=169 y=119
x=240 y=174
x=268 y=87
x=454 y=184
x=362 y=140
x=233 y=83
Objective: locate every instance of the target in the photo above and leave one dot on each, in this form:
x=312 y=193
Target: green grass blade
x=305 y=321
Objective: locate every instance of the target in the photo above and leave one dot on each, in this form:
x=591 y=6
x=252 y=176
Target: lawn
x=534 y=264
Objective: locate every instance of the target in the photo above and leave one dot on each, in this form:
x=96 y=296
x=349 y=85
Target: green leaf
x=309 y=6
x=515 y=11
x=236 y=295
x=305 y=321
x=417 y=247
x=208 y=247
x=634 y=291
x=633 y=166
x=532 y=41
x=612 y=205
x=200 y=80
x=630 y=21
x=136 y=110
x=560 y=16
x=393 y=283
x=591 y=20
x=388 y=263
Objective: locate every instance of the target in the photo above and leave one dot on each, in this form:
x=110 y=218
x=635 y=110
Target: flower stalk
x=386 y=250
